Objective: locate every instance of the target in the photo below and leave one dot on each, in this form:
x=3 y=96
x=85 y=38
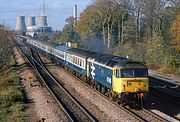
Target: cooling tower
x=20 y=25
x=43 y=21
x=31 y=21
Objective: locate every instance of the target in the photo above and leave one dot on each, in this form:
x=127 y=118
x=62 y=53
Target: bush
x=155 y=52
x=172 y=62
x=11 y=96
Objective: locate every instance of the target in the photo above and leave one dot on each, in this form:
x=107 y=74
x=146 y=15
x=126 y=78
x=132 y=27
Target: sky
x=56 y=10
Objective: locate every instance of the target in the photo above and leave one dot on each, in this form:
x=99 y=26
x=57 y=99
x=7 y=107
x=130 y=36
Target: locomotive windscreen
x=129 y=73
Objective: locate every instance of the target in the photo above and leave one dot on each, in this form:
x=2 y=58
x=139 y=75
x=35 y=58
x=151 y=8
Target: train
x=121 y=79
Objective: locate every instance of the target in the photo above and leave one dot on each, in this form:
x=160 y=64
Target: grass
x=11 y=95
x=170 y=70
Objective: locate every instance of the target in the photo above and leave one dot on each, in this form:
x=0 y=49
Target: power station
x=30 y=28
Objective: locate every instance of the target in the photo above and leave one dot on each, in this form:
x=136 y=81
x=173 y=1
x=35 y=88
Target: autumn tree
x=175 y=31
x=155 y=52
x=90 y=29
x=137 y=28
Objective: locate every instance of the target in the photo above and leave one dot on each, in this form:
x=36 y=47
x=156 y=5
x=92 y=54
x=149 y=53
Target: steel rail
x=34 y=68
x=75 y=101
x=137 y=114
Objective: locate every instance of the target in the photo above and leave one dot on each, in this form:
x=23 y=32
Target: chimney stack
x=75 y=14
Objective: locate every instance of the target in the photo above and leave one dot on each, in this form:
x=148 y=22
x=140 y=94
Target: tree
x=69 y=32
x=6 y=42
x=90 y=29
x=89 y=25
x=43 y=37
x=55 y=37
x=175 y=31
x=155 y=52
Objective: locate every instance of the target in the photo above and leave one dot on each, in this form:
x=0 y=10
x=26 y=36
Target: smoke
x=95 y=45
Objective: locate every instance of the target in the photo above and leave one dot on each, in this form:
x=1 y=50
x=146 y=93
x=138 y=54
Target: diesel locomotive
x=123 y=80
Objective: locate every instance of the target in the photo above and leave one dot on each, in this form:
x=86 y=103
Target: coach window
x=69 y=58
x=80 y=60
x=73 y=59
x=77 y=61
x=82 y=63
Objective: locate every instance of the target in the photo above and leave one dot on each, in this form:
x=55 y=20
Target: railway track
x=143 y=115
x=147 y=115
x=166 y=88
x=167 y=92
x=72 y=108
x=139 y=115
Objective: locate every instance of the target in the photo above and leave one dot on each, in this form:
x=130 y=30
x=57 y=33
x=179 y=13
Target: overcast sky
x=57 y=10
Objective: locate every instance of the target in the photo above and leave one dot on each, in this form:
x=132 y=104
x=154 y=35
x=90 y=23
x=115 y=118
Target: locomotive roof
x=104 y=59
x=62 y=48
x=115 y=61
x=80 y=52
x=50 y=43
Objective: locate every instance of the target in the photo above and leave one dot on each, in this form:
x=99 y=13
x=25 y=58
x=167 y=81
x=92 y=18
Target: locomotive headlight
x=139 y=83
x=129 y=83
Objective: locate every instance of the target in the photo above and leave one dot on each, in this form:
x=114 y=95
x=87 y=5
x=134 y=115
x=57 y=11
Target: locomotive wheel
x=99 y=87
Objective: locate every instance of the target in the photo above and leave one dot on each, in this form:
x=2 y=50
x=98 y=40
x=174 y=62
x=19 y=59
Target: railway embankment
x=11 y=94
x=166 y=77
x=38 y=103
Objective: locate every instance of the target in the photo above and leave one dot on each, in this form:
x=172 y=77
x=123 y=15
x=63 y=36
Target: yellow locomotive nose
x=139 y=83
x=132 y=85
x=135 y=85
x=137 y=90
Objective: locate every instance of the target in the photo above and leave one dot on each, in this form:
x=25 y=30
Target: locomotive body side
x=100 y=73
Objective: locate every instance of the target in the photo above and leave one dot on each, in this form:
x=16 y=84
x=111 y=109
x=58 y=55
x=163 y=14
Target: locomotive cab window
x=118 y=73
x=129 y=73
